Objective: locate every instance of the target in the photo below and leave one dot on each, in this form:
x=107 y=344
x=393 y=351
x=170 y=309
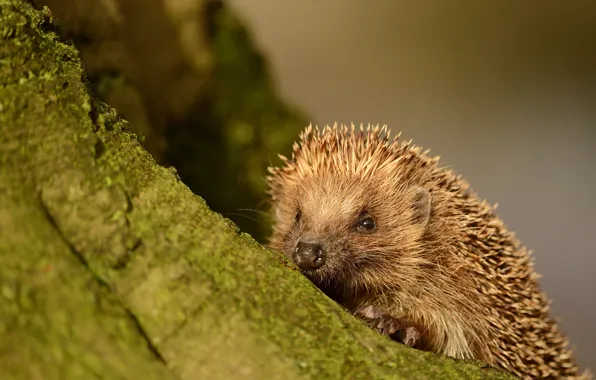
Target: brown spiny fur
x=461 y=278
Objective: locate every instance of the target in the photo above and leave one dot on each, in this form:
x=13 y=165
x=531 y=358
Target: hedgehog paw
x=388 y=325
x=409 y=336
x=385 y=324
x=378 y=320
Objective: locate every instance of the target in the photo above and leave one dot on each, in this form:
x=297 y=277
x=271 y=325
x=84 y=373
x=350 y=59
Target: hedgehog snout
x=309 y=255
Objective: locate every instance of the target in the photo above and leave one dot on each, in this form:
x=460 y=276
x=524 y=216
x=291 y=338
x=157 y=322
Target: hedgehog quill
x=405 y=245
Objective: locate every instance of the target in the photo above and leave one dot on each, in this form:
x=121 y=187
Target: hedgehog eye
x=366 y=223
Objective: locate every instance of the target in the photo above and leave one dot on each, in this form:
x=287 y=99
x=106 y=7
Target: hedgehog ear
x=422 y=203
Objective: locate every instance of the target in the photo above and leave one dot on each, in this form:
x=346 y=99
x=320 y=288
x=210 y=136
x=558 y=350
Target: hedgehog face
x=322 y=227
x=339 y=229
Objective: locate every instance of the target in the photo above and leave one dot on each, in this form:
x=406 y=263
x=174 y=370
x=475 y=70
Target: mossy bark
x=111 y=268
x=188 y=77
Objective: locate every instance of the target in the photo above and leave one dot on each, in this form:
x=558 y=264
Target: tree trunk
x=188 y=78
x=111 y=268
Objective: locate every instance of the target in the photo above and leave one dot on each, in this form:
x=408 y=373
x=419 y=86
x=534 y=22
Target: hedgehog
x=407 y=246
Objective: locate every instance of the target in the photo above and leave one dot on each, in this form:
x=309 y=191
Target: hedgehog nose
x=309 y=256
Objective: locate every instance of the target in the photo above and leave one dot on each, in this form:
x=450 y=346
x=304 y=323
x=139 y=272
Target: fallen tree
x=110 y=267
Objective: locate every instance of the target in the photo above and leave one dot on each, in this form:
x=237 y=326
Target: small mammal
x=405 y=244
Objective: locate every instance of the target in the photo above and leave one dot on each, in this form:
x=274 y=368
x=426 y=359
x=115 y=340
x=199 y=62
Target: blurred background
x=504 y=92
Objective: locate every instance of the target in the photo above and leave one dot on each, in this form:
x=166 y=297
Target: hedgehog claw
x=388 y=325
x=410 y=336
x=385 y=324
x=368 y=312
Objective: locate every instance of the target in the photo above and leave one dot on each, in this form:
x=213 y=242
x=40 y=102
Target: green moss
x=57 y=321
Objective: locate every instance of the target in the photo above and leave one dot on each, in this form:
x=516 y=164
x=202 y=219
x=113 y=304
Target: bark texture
x=111 y=268
x=188 y=78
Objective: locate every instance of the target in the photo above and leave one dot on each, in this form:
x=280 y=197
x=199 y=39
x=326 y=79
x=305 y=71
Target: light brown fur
x=459 y=276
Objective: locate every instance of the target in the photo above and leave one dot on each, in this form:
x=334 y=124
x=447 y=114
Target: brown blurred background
x=505 y=92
